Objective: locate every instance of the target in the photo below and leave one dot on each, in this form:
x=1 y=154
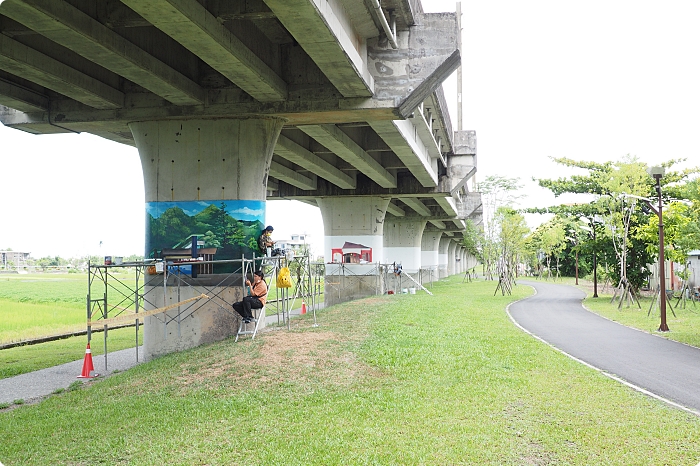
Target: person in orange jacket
x=256 y=298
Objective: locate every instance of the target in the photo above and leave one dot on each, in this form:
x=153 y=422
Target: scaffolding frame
x=112 y=296
x=391 y=277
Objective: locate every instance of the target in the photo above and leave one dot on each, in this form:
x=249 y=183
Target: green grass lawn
x=684 y=326
x=394 y=379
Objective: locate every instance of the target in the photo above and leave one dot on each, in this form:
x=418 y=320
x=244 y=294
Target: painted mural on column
x=224 y=229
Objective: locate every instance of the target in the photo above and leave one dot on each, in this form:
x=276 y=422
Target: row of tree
x=613 y=223
x=75 y=263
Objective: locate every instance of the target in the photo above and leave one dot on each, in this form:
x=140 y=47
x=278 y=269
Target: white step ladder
x=244 y=327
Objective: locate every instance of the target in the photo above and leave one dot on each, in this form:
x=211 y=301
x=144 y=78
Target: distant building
x=352 y=253
x=300 y=244
x=13 y=259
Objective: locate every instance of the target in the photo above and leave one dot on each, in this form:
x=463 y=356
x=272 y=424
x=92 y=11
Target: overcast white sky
x=588 y=80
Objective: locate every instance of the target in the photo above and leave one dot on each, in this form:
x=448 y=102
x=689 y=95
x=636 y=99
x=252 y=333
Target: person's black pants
x=244 y=307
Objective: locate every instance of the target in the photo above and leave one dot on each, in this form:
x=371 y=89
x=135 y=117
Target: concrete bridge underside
x=337 y=103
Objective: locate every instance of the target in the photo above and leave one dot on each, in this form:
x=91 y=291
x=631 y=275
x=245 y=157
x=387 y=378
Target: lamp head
x=656 y=172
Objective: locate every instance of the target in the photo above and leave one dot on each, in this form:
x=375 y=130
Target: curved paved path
x=665 y=368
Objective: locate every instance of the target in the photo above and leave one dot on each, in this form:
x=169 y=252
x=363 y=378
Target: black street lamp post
x=657 y=173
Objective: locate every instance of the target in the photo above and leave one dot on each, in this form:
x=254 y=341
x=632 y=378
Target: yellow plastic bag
x=284 y=278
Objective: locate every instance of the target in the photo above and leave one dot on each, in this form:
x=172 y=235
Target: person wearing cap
x=265 y=242
x=256 y=299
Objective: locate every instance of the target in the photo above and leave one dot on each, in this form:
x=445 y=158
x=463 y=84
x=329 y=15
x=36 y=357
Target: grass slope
x=409 y=379
x=684 y=325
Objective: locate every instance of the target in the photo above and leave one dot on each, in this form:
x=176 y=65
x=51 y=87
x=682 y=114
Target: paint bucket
x=118 y=260
x=411 y=291
x=404 y=290
x=108 y=260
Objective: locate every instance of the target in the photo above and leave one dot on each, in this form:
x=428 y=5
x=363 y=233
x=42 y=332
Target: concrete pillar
x=402 y=241
x=354 y=243
x=402 y=244
x=442 y=256
x=429 y=254
x=451 y=249
x=471 y=260
x=458 y=259
x=204 y=178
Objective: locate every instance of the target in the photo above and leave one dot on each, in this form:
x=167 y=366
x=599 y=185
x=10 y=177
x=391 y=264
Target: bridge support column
x=442 y=256
x=451 y=262
x=459 y=257
x=402 y=244
x=354 y=242
x=203 y=178
x=429 y=254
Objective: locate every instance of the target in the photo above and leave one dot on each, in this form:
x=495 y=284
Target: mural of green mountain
x=213 y=224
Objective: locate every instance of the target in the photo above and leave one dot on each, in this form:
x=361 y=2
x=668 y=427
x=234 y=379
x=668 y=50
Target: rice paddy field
x=40 y=305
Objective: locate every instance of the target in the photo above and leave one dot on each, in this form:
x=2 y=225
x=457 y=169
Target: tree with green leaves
x=512 y=231
x=681 y=235
x=473 y=240
x=496 y=192
x=549 y=241
x=615 y=188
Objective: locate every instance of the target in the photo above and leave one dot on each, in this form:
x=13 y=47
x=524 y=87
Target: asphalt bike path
x=661 y=367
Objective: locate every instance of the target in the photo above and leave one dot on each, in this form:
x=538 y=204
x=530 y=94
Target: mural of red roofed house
x=352 y=253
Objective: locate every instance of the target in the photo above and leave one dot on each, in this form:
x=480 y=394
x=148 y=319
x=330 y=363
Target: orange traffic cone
x=303 y=307
x=87 y=365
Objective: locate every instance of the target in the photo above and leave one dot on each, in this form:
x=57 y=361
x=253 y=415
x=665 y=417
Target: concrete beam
x=22 y=99
x=448 y=204
x=439 y=224
x=290 y=150
x=190 y=24
x=401 y=137
x=288 y=175
x=308 y=108
x=73 y=29
x=20 y=60
x=425 y=132
x=331 y=137
x=416 y=205
x=324 y=30
x=407 y=187
x=395 y=210
x=459 y=180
